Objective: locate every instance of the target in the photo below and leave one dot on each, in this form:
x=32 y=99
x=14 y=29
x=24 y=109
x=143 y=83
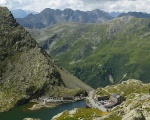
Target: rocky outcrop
x=138 y=109
x=137 y=104
x=135 y=107
x=57 y=116
x=134 y=115
x=71 y=113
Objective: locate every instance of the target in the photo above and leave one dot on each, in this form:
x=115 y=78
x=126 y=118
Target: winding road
x=95 y=104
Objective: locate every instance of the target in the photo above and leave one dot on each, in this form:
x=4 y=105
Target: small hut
x=65 y=97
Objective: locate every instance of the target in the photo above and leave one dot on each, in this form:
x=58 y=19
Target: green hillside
x=100 y=54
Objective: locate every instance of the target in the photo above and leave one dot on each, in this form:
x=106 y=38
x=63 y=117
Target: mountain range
x=50 y=17
x=19 y=13
x=26 y=70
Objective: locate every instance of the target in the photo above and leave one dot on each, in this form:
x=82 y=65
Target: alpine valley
x=59 y=53
x=100 y=54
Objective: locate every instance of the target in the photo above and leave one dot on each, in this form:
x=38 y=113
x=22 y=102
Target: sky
x=84 y=5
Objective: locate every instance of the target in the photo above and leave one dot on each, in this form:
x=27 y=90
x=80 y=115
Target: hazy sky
x=106 y=5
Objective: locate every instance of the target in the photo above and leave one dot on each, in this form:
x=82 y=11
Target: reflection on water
x=21 y=112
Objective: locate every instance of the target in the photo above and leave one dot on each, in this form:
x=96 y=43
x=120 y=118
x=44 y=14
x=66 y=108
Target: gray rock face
x=134 y=115
x=49 y=17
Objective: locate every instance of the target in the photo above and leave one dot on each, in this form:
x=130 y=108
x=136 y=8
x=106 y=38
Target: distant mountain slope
x=114 y=14
x=26 y=70
x=50 y=16
x=135 y=14
x=100 y=54
x=19 y=13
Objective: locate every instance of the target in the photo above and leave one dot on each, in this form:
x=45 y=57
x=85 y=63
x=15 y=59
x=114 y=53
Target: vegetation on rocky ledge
x=135 y=107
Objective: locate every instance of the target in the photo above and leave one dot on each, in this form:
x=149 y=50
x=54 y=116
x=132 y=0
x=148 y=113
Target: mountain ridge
x=49 y=17
x=26 y=70
x=135 y=14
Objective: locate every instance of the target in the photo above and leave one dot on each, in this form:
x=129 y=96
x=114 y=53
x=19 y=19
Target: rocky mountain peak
x=47 y=10
x=97 y=11
x=68 y=9
x=6 y=16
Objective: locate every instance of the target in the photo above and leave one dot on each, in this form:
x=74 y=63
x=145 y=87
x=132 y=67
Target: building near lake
x=114 y=100
x=101 y=98
x=110 y=105
x=67 y=98
x=114 y=97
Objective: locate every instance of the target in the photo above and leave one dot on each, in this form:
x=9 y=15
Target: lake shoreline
x=38 y=104
x=43 y=113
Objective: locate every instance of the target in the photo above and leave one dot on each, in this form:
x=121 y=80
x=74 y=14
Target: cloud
x=39 y=5
x=3 y=2
x=106 y=5
x=119 y=5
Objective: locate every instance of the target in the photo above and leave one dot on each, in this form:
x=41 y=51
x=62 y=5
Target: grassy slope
x=71 y=81
x=87 y=114
x=126 y=88
x=95 y=53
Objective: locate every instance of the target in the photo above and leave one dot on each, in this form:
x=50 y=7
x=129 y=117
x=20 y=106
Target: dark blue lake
x=21 y=112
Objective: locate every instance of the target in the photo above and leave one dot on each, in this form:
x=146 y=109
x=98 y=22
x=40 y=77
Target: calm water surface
x=21 y=112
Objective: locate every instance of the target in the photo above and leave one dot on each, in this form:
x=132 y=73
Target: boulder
x=134 y=115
